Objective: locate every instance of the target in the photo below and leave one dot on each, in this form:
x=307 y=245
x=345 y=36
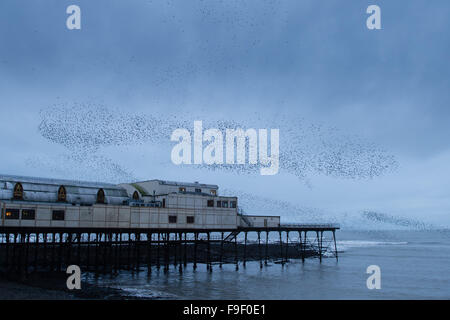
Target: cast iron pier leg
x=195 y=250
x=149 y=253
x=335 y=247
x=185 y=249
x=180 y=245
x=287 y=246
x=221 y=250
x=36 y=252
x=281 y=249
x=7 y=251
x=208 y=256
x=267 y=247
x=158 y=264
x=259 y=250
x=244 y=263
x=236 y=253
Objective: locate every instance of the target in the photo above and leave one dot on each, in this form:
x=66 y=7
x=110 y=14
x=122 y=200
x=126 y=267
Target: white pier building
x=154 y=204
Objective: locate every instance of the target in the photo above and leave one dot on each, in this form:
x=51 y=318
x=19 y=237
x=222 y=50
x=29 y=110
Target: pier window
x=182 y=189
x=62 y=194
x=233 y=204
x=164 y=202
x=28 y=214
x=198 y=190
x=210 y=203
x=190 y=219
x=18 y=191
x=172 y=219
x=224 y=204
x=213 y=192
x=136 y=196
x=219 y=204
x=12 y=214
x=58 y=215
x=101 y=196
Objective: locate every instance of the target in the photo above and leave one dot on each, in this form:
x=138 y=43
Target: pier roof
x=182 y=184
x=59 y=182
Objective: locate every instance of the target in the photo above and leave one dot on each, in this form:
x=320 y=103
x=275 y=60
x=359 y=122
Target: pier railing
x=311 y=225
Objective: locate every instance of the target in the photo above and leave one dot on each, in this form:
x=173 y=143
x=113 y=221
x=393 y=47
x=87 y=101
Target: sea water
x=413 y=264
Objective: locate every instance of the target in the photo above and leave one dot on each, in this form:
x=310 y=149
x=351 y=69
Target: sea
x=412 y=265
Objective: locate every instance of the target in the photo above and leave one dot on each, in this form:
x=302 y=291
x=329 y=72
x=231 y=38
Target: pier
x=24 y=250
x=49 y=224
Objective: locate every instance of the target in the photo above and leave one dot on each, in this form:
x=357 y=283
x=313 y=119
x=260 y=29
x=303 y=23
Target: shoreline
x=52 y=286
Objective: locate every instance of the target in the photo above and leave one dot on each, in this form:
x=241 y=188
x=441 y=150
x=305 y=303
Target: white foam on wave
x=142 y=292
x=342 y=245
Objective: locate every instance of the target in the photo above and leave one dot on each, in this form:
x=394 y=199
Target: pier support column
x=149 y=253
x=236 y=253
x=158 y=262
x=78 y=247
x=267 y=248
x=335 y=247
x=13 y=249
x=88 y=253
x=281 y=249
x=195 y=250
x=105 y=250
x=97 y=244
x=129 y=252
x=208 y=255
x=185 y=249
x=175 y=250
x=7 y=251
x=15 y=258
x=300 y=244
x=244 y=263
x=305 y=239
x=60 y=250
x=116 y=251
x=53 y=250
x=259 y=250
x=138 y=252
x=110 y=253
x=180 y=254
x=27 y=248
x=44 y=262
x=287 y=247
x=20 y=252
x=117 y=244
x=221 y=250
x=319 y=243
x=69 y=249
x=36 y=251
x=166 y=253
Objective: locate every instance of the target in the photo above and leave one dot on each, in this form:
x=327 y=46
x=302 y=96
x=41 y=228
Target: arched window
x=136 y=196
x=18 y=191
x=62 y=195
x=101 y=196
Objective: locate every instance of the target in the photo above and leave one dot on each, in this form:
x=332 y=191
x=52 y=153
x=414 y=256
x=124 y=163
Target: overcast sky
x=309 y=60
